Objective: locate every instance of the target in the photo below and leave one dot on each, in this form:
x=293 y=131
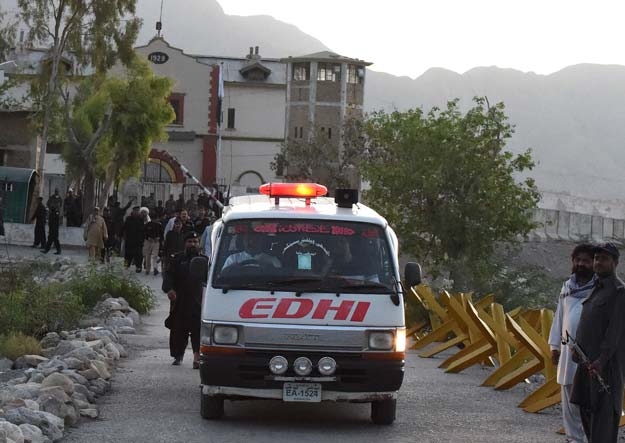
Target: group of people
x=141 y=235
x=590 y=314
x=51 y=213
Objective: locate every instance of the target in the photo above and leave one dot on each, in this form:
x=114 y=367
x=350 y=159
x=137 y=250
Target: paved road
x=153 y=401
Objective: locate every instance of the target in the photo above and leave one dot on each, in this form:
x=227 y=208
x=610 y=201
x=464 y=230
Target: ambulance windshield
x=304 y=255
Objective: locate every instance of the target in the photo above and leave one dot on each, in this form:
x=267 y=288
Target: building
x=229 y=119
x=323 y=90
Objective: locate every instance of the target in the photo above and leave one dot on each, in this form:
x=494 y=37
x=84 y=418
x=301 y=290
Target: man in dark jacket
x=601 y=336
x=133 y=232
x=174 y=244
x=185 y=293
x=117 y=217
x=54 y=221
x=39 y=218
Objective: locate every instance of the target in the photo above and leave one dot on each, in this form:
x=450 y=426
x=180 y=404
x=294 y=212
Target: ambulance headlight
x=326 y=366
x=302 y=366
x=225 y=335
x=278 y=365
x=381 y=340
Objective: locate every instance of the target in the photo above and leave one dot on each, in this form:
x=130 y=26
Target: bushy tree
x=112 y=123
x=331 y=161
x=97 y=33
x=447 y=184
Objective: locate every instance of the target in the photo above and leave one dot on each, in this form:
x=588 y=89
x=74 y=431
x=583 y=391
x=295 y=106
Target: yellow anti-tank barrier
x=516 y=342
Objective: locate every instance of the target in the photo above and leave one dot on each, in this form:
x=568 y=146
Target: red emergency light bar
x=293 y=190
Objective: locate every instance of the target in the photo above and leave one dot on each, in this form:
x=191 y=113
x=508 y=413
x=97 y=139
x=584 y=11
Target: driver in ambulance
x=252 y=250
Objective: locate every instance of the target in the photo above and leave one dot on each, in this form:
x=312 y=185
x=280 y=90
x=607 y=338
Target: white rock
x=27 y=390
x=112 y=351
x=134 y=315
x=61 y=380
x=91 y=413
x=31 y=361
x=51 y=425
x=126 y=330
x=120 y=322
x=32 y=434
x=67 y=346
x=5 y=364
x=13 y=432
x=102 y=369
x=122 y=351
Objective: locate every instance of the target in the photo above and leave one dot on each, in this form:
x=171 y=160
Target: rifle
x=585 y=361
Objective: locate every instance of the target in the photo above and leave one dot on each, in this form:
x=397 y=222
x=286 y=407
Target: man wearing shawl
x=574 y=291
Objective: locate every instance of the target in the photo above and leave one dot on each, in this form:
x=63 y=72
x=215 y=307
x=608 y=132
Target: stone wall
x=574 y=226
x=22 y=234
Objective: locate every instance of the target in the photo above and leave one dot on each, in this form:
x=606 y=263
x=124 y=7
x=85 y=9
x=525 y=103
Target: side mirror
x=412 y=274
x=199 y=268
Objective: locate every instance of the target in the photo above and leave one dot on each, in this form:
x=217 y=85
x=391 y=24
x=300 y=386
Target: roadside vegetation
x=34 y=302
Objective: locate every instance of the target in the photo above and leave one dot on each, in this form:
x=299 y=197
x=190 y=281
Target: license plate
x=306 y=392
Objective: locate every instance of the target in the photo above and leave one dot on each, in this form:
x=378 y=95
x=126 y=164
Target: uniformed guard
x=40 y=217
x=185 y=293
x=601 y=336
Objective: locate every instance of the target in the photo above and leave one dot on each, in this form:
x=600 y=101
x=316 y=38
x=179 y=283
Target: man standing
x=601 y=336
x=55 y=201
x=574 y=291
x=69 y=209
x=170 y=205
x=95 y=234
x=133 y=239
x=153 y=239
x=54 y=221
x=185 y=293
x=39 y=218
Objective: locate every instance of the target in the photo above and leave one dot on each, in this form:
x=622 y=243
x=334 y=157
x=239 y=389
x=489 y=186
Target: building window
x=328 y=72
x=301 y=71
x=231 y=115
x=177 y=103
x=301 y=132
x=330 y=133
x=354 y=74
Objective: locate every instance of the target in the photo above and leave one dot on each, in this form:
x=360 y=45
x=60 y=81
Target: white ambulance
x=303 y=302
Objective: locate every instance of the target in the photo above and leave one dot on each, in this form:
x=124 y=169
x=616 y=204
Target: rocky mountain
x=572 y=119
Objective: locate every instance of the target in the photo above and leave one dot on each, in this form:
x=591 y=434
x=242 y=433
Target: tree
x=7 y=35
x=332 y=161
x=96 y=32
x=112 y=123
x=446 y=183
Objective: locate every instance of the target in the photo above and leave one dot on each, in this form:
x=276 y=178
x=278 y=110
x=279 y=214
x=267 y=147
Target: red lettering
x=270 y=228
x=361 y=311
x=304 y=308
x=342 y=310
x=253 y=304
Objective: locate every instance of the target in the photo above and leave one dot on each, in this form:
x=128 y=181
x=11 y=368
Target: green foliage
x=13 y=346
x=97 y=33
x=446 y=183
x=114 y=122
x=35 y=308
x=38 y=309
x=93 y=283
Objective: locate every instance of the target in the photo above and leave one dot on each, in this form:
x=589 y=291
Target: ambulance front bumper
x=276 y=394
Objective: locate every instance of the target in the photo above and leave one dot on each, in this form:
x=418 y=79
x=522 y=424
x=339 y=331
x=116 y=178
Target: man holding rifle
x=601 y=337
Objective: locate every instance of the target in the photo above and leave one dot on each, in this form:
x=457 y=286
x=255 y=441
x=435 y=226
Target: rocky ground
x=42 y=396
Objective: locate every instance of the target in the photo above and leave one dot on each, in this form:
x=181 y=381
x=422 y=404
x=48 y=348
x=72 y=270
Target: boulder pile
x=42 y=395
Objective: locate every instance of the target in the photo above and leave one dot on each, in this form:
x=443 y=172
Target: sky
x=406 y=37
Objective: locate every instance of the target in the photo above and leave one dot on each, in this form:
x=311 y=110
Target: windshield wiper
x=252 y=285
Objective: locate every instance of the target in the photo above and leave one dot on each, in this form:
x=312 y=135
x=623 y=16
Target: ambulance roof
x=321 y=208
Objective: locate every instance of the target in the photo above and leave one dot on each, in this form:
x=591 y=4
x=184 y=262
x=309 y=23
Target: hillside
x=572 y=119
